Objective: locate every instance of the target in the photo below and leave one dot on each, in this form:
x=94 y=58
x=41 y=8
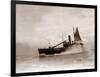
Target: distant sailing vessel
x=77 y=38
x=56 y=50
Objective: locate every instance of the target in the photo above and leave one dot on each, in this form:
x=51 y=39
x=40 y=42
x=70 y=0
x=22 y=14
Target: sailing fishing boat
x=77 y=38
x=66 y=44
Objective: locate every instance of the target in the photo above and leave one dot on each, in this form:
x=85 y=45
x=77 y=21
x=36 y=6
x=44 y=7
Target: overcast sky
x=38 y=24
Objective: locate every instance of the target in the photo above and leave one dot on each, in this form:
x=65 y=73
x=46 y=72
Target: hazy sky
x=38 y=24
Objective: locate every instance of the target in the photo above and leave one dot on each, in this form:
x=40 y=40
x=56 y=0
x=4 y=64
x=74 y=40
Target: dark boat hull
x=51 y=51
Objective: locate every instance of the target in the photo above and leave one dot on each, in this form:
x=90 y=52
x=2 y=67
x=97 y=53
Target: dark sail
x=77 y=35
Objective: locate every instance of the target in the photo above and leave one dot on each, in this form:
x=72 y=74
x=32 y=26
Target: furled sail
x=77 y=35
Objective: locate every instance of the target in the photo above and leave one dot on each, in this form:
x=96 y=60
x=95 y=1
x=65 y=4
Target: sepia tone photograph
x=53 y=38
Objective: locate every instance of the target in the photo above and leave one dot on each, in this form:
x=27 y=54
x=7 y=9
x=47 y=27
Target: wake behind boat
x=66 y=44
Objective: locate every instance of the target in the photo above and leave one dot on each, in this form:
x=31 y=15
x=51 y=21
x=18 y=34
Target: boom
x=58 y=44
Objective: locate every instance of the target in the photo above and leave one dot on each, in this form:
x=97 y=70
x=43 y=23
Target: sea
x=74 y=58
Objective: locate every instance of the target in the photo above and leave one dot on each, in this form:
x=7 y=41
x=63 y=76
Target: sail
x=77 y=35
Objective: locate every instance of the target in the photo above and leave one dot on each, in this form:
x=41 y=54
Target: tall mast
x=73 y=33
x=49 y=43
x=62 y=37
